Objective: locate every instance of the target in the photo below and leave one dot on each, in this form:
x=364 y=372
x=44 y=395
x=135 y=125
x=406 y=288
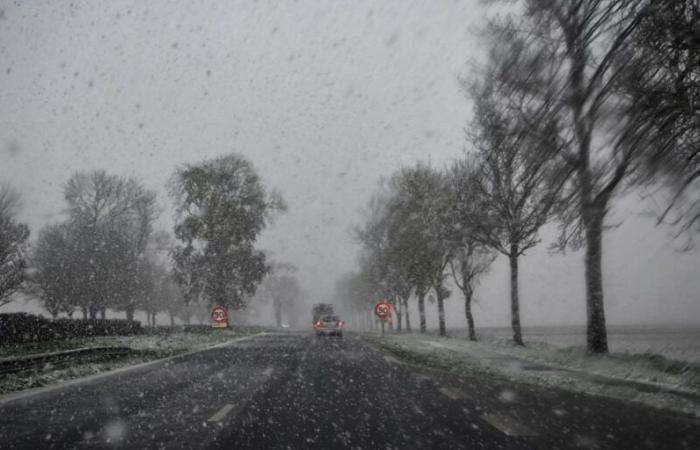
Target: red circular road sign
x=219 y=316
x=382 y=310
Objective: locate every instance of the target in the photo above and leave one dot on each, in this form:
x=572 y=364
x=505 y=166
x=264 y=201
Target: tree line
x=108 y=254
x=577 y=103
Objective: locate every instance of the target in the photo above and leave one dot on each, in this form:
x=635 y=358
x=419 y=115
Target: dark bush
x=96 y=327
x=23 y=327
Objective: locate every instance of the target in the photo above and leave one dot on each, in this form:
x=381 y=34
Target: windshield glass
x=369 y=224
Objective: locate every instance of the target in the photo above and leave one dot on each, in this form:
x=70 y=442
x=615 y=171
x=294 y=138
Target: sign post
x=382 y=310
x=219 y=317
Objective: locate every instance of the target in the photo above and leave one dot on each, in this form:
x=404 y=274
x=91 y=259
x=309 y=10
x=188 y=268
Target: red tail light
x=340 y=324
x=317 y=324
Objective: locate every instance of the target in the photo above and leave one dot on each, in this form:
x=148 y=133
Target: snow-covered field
x=680 y=342
x=645 y=371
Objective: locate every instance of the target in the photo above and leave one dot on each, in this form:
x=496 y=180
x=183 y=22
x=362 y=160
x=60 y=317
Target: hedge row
x=22 y=327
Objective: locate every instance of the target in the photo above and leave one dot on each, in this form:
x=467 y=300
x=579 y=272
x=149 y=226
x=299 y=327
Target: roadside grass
x=153 y=344
x=647 y=378
x=173 y=339
x=31 y=348
x=432 y=360
x=54 y=374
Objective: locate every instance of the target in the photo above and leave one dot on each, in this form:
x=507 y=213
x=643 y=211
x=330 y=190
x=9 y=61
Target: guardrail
x=60 y=359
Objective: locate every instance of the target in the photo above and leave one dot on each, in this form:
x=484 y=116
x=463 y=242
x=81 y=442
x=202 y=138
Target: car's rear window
x=329 y=318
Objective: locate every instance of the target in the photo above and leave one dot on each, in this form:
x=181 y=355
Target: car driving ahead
x=329 y=326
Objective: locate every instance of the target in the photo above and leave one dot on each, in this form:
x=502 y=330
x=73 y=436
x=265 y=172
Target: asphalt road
x=297 y=391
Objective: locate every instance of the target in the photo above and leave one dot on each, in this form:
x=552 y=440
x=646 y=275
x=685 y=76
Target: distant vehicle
x=329 y=325
x=321 y=309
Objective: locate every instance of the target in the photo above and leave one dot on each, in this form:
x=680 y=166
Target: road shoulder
x=465 y=358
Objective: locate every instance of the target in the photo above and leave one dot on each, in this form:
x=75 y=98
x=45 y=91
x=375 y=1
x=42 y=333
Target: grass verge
x=144 y=348
x=432 y=360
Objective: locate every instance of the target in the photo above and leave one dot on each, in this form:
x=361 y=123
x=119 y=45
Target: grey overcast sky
x=323 y=97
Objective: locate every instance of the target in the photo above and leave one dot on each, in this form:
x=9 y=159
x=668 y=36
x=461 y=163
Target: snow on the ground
x=151 y=347
x=679 y=342
x=179 y=341
x=667 y=383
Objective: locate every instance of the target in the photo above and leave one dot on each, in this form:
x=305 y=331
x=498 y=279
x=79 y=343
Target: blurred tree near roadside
x=56 y=267
x=281 y=286
x=665 y=89
x=406 y=240
x=472 y=258
x=420 y=219
x=110 y=219
x=560 y=66
x=222 y=206
x=514 y=180
x=13 y=237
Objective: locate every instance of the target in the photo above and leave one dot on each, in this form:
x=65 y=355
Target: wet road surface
x=297 y=391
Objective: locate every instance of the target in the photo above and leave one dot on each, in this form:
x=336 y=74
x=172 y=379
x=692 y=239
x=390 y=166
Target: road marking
x=453 y=393
x=507 y=425
x=420 y=378
x=391 y=360
x=221 y=413
x=267 y=372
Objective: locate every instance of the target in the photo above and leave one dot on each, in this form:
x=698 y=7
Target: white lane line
x=267 y=372
x=453 y=393
x=507 y=425
x=391 y=360
x=221 y=413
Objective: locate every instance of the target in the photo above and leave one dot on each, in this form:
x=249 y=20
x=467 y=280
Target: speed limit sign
x=382 y=310
x=219 y=317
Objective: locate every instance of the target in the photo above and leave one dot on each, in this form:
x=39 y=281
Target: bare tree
x=385 y=259
x=13 y=236
x=421 y=212
x=471 y=261
x=513 y=182
x=56 y=270
x=471 y=257
x=110 y=219
x=281 y=286
x=566 y=60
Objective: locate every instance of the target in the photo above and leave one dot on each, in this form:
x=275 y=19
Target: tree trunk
x=172 y=319
x=514 y=302
x=468 y=312
x=593 y=210
x=441 y=312
x=278 y=313
x=597 y=336
x=130 y=312
x=408 y=317
x=399 y=315
x=421 y=312
x=103 y=313
x=85 y=313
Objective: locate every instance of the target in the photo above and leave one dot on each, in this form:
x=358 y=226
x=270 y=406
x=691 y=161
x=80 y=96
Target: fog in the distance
x=323 y=98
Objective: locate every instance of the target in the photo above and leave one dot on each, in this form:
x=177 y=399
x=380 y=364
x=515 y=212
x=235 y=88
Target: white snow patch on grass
x=147 y=347
x=660 y=381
